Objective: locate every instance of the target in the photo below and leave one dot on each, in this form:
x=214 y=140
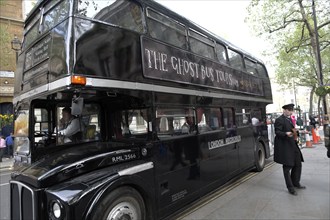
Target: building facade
x=11 y=25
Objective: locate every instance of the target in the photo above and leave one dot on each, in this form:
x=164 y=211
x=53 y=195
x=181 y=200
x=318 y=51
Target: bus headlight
x=56 y=209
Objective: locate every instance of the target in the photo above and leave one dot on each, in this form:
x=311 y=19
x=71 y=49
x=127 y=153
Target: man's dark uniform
x=287 y=152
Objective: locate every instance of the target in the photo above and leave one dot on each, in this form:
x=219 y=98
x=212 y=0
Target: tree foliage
x=289 y=25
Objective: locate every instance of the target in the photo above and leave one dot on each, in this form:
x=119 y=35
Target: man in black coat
x=286 y=150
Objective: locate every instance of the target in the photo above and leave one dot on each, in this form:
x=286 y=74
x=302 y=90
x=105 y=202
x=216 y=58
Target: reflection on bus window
x=125 y=14
x=41 y=125
x=201 y=45
x=262 y=71
x=243 y=117
x=209 y=119
x=161 y=27
x=173 y=122
x=221 y=53
x=130 y=124
x=250 y=67
x=228 y=117
x=55 y=15
x=235 y=59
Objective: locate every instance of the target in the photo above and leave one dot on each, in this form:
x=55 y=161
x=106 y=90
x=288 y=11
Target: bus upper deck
x=163 y=109
x=131 y=41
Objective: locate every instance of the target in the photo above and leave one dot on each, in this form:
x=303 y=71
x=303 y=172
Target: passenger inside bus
x=71 y=128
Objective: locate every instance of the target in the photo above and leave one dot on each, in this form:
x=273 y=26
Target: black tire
x=121 y=204
x=260 y=157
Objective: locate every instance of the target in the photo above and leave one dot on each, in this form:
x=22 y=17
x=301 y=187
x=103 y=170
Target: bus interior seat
x=90 y=131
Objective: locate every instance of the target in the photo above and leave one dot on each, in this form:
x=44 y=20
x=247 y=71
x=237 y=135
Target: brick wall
x=11 y=24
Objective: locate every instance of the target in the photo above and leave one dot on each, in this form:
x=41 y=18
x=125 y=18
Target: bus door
x=211 y=139
x=231 y=141
x=248 y=133
x=177 y=158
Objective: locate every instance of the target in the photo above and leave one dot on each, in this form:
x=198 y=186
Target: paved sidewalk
x=6 y=164
x=265 y=196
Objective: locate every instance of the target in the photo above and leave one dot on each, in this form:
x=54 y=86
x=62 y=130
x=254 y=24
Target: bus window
x=228 y=117
x=221 y=53
x=31 y=35
x=172 y=122
x=250 y=66
x=86 y=126
x=166 y=29
x=243 y=117
x=201 y=45
x=42 y=125
x=55 y=15
x=235 y=59
x=256 y=117
x=262 y=70
x=21 y=131
x=130 y=124
x=209 y=119
x=125 y=14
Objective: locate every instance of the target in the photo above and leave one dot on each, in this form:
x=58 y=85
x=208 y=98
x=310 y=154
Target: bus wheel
x=260 y=157
x=124 y=203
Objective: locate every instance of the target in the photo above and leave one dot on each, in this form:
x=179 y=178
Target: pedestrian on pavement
x=9 y=144
x=2 y=146
x=286 y=150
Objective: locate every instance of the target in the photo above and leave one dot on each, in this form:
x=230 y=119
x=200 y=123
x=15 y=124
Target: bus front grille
x=22 y=201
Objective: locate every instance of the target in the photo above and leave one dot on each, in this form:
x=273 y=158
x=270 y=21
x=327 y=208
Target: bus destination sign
x=161 y=61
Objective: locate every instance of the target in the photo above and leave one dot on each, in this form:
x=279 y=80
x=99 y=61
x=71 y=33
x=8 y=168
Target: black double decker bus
x=167 y=112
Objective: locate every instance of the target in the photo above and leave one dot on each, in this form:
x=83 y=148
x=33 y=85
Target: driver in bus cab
x=71 y=128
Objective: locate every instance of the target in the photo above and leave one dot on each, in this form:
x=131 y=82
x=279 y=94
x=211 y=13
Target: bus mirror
x=77 y=106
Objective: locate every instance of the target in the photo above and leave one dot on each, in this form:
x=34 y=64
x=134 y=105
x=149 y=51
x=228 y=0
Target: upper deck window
x=221 y=53
x=262 y=70
x=125 y=14
x=250 y=66
x=235 y=59
x=31 y=35
x=166 y=29
x=55 y=15
x=201 y=45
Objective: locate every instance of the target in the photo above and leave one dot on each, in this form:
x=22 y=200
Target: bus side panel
x=213 y=160
x=178 y=174
x=247 y=146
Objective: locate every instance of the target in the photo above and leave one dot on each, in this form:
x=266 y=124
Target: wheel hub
x=123 y=211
